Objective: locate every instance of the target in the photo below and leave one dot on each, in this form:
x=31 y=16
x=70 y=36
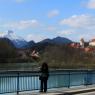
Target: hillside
x=63 y=56
x=7 y=50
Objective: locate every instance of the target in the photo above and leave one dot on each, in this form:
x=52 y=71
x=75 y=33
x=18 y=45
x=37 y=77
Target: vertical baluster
x=34 y=82
x=8 y=83
x=37 y=82
x=55 y=80
x=69 y=79
x=15 y=83
x=2 y=84
x=22 y=83
x=5 y=84
x=31 y=83
x=26 y=80
x=87 y=78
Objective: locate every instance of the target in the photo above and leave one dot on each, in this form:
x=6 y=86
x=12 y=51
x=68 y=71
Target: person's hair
x=44 y=66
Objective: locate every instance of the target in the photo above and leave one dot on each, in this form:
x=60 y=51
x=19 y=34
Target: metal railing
x=17 y=81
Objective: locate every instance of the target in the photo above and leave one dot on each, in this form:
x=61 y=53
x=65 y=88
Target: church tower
x=82 y=42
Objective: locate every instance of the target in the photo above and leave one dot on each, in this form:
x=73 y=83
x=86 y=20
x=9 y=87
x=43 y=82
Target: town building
x=82 y=43
x=92 y=42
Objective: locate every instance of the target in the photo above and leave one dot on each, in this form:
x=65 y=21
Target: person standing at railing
x=44 y=74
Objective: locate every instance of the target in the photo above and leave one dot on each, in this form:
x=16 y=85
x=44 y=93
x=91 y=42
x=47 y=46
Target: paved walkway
x=88 y=93
x=60 y=91
x=65 y=91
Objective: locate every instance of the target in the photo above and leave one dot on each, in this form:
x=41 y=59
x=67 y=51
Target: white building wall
x=92 y=43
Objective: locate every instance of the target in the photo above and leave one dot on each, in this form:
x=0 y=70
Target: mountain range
x=16 y=40
x=21 y=43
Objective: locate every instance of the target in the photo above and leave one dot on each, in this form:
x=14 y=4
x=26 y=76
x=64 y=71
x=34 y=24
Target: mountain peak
x=10 y=32
x=17 y=41
x=58 y=40
x=12 y=36
x=61 y=40
x=59 y=37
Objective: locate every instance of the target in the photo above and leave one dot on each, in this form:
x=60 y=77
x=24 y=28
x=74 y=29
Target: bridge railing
x=17 y=81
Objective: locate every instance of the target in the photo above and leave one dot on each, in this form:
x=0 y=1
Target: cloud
x=51 y=28
x=78 y=26
x=90 y=4
x=66 y=32
x=23 y=24
x=35 y=37
x=2 y=34
x=79 y=21
x=53 y=13
x=87 y=37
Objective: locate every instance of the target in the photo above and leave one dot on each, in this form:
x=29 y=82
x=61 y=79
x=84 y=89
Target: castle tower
x=82 y=42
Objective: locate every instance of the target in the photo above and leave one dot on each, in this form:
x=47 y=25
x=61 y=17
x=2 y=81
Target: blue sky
x=40 y=19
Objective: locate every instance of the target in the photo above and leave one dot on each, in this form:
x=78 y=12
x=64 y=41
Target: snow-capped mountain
x=17 y=41
x=12 y=36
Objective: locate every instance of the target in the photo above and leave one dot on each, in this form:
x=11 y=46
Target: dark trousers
x=43 y=85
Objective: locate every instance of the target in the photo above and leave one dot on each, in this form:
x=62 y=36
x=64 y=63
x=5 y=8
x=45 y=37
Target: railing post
x=18 y=83
x=0 y=85
x=87 y=78
x=69 y=80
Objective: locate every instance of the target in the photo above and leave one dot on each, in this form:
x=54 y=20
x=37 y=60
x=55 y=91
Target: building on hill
x=84 y=46
x=82 y=43
x=34 y=54
x=75 y=45
x=92 y=42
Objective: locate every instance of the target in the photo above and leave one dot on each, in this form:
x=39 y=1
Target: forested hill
x=7 y=50
x=64 y=56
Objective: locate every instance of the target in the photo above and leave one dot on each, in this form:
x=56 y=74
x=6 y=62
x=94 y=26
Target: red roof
x=93 y=40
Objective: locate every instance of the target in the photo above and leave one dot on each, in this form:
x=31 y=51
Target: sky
x=40 y=19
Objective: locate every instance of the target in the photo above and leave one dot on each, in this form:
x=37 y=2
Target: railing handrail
x=51 y=70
